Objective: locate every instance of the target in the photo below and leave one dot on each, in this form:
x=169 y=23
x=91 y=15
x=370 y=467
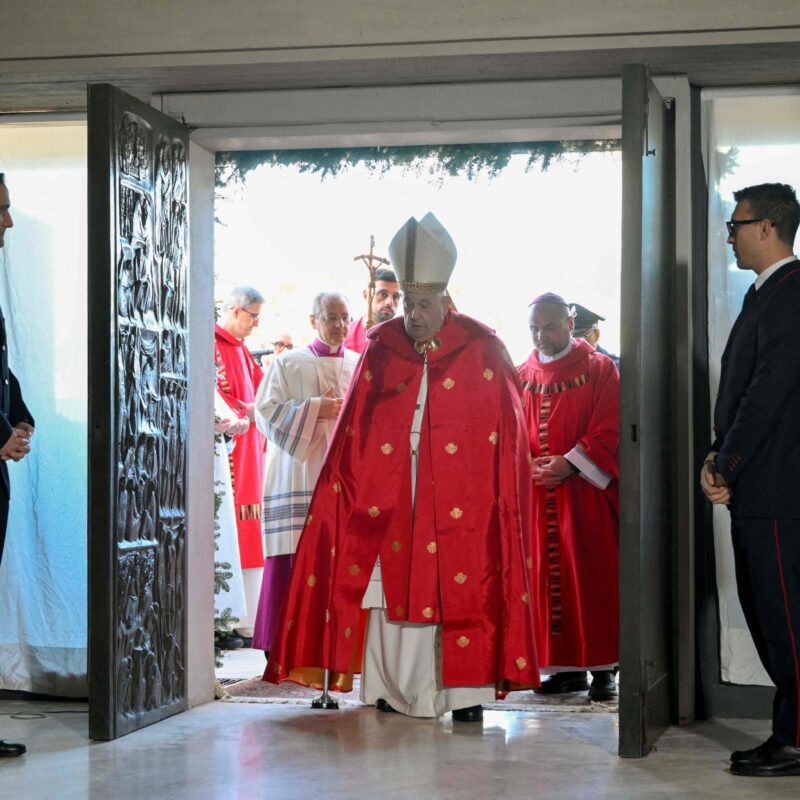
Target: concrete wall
x=200 y=469
x=43 y=29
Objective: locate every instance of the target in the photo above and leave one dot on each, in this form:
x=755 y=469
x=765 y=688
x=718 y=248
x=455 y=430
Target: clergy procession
x=406 y=505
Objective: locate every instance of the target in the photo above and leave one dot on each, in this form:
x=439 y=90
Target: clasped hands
x=714 y=486
x=550 y=471
x=330 y=405
x=18 y=444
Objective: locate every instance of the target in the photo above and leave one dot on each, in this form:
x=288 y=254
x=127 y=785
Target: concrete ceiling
x=61 y=85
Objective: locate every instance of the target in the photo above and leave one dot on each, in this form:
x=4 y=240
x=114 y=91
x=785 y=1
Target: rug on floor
x=254 y=690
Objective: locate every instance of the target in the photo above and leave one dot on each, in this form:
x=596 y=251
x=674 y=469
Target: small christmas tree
x=224 y=621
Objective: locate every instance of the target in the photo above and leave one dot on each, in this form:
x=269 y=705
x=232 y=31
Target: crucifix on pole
x=372 y=263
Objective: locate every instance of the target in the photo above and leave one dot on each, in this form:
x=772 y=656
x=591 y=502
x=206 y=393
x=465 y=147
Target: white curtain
x=43 y=295
x=749 y=137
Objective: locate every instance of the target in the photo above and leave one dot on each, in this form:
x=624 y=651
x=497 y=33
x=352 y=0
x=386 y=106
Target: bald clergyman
x=572 y=405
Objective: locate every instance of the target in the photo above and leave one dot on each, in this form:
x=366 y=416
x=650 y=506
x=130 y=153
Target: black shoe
x=603 y=687
x=753 y=754
x=471 y=714
x=562 y=682
x=772 y=759
x=227 y=641
x=11 y=749
x=382 y=705
x=247 y=641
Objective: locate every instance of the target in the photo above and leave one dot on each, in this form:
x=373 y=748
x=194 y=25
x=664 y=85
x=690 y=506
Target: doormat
x=255 y=690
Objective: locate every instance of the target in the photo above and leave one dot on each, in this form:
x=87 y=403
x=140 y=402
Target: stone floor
x=224 y=750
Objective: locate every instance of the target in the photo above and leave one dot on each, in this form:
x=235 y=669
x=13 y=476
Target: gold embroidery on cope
x=431 y=548
x=387 y=449
x=456 y=513
x=373 y=511
x=396 y=546
x=529 y=562
x=448 y=383
x=312 y=581
x=354 y=569
x=493 y=437
x=401 y=387
x=427 y=612
x=521 y=663
x=451 y=448
x=462 y=641
x=367 y=376
x=526 y=598
x=347 y=633
x=333 y=551
x=488 y=374
x=399 y=611
x=460 y=578
x=337 y=487
x=290 y=625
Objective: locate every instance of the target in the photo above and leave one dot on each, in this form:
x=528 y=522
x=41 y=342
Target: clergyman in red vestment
x=421 y=514
x=384 y=306
x=238 y=377
x=571 y=398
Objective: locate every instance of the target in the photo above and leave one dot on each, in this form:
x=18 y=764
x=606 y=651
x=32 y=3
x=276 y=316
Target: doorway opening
x=292 y=223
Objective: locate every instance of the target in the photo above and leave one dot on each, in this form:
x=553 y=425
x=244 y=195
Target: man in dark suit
x=754 y=464
x=16 y=424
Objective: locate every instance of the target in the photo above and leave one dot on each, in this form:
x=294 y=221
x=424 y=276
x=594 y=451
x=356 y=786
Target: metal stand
x=325 y=701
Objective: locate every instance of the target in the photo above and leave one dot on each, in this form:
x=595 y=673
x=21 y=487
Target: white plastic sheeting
x=43 y=630
x=749 y=138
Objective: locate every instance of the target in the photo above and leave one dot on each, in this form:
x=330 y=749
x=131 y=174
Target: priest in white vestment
x=296 y=406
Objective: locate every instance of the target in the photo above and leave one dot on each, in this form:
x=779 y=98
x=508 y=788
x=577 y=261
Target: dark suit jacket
x=12 y=407
x=757 y=414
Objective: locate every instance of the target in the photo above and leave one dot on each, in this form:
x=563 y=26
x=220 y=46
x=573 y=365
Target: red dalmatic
x=574 y=401
x=462 y=558
x=238 y=377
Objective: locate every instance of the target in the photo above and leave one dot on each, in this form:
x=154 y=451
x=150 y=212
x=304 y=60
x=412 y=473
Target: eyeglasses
x=283 y=345
x=254 y=316
x=733 y=224
x=334 y=319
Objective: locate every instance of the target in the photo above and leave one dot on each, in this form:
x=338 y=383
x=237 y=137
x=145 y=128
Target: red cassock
x=356 y=339
x=462 y=559
x=238 y=377
x=575 y=401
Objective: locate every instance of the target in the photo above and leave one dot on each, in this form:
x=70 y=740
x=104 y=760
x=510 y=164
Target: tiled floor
x=248 y=751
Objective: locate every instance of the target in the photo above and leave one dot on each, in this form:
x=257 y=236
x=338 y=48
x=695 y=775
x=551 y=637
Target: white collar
x=545 y=359
x=769 y=271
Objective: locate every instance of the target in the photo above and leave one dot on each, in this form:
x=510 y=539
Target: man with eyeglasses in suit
x=16 y=424
x=754 y=463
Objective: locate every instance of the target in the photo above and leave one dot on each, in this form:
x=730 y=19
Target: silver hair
x=316 y=304
x=244 y=296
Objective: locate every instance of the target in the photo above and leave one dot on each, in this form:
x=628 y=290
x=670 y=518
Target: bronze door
x=138 y=380
x=648 y=258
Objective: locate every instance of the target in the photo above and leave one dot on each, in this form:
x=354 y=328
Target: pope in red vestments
x=238 y=378
x=571 y=398
x=454 y=551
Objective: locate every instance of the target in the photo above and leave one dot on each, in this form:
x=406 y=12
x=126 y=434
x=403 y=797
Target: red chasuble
x=238 y=377
x=575 y=401
x=462 y=558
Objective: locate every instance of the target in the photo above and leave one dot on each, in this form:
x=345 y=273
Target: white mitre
x=423 y=255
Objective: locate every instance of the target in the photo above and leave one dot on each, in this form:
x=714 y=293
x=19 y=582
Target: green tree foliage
x=434 y=162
